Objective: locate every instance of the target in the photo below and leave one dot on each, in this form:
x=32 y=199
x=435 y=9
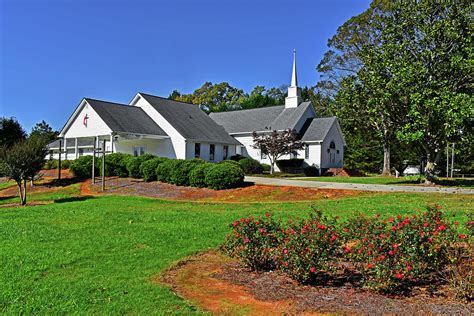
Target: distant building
x=167 y=128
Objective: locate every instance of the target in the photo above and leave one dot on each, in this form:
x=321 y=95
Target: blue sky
x=53 y=53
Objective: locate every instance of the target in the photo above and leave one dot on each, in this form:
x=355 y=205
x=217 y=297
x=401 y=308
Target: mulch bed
x=211 y=280
x=248 y=193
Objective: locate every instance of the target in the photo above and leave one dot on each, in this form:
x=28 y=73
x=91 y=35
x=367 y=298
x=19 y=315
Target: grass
x=392 y=180
x=100 y=255
x=6 y=184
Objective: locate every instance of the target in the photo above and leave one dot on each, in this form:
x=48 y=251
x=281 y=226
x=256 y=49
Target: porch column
x=75 y=148
x=111 y=143
x=65 y=148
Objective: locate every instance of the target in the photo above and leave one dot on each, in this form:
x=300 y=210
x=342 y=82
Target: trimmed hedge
x=197 y=176
x=266 y=167
x=224 y=176
x=148 y=168
x=82 y=167
x=250 y=166
x=311 y=171
x=164 y=170
x=180 y=174
x=116 y=164
x=133 y=164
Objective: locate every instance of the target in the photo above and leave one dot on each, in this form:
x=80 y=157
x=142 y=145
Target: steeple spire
x=294 y=93
x=294 y=79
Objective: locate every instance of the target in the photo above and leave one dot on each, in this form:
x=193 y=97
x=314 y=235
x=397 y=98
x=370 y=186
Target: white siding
x=338 y=161
x=95 y=125
x=205 y=150
x=178 y=148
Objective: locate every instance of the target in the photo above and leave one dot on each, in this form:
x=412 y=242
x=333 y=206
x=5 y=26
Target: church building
x=168 y=128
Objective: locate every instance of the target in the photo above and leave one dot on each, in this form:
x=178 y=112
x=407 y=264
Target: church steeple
x=294 y=93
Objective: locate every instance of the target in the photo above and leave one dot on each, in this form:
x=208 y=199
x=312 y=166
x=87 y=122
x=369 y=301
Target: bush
x=148 y=168
x=309 y=247
x=391 y=252
x=165 y=169
x=115 y=164
x=82 y=167
x=230 y=162
x=311 y=171
x=51 y=164
x=237 y=157
x=224 y=176
x=254 y=241
x=289 y=163
x=266 y=167
x=180 y=174
x=133 y=164
x=197 y=176
x=250 y=166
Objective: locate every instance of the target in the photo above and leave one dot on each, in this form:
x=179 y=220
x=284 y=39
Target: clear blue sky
x=53 y=53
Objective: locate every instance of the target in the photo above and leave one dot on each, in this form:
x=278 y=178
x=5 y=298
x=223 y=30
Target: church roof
x=125 y=118
x=318 y=128
x=189 y=120
x=260 y=119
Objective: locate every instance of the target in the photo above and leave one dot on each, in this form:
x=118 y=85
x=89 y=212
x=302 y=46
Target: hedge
x=197 y=176
x=116 y=164
x=82 y=167
x=224 y=176
x=164 y=170
x=250 y=166
x=148 y=168
x=133 y=164
x=180 y=173
x=311 y=171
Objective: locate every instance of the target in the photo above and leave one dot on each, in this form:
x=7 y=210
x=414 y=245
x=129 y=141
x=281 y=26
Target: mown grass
x=392 y=180
x=100 y=255
x=6 y=184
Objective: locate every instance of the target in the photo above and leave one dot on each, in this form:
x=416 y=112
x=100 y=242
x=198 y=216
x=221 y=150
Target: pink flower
x=246 y=240
x=399 y=275
x=285 y=251
x=422 y=234
x=426 y=225
x=312 y=269
x=408 y=268
x=394 y=246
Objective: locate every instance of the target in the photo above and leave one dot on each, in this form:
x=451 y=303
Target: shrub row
x=387 y=253
x=53 y=164
x=195 y=172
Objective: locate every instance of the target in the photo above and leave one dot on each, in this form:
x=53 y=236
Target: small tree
x=277 y=144
x=22 y=162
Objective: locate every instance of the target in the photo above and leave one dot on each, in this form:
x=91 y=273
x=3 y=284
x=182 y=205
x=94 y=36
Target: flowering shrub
x=254 y=241
x=387 y=253
x=392 y=251
x=309 y=246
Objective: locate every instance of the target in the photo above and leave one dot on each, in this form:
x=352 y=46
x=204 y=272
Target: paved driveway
x=357 y=186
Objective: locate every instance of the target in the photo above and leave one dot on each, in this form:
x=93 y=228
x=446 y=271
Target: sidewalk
x=357 y=186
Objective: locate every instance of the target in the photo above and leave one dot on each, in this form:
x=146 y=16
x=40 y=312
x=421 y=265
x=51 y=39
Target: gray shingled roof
x=125 y=118
x=190 y=121
x=260 y=119
x=318 y=128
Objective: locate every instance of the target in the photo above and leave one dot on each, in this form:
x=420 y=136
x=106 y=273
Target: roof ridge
x=167 y=99
x=254 y=109
x=109 y=102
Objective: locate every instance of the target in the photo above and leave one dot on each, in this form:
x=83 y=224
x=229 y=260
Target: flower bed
x=389 y=254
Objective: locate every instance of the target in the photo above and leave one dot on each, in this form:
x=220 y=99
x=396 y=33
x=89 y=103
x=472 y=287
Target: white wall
x=152 y=146
x=178 y=148
x=95 y=125
x=333 y=135
x=205 y=150
x=314 y=155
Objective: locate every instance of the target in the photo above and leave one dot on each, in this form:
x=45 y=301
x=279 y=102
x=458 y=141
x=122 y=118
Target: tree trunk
x=386 y=160
x=272 y=168
x=24 y=193
x=431 y=167
x=20 y=191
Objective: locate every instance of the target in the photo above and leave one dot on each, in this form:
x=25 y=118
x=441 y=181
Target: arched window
x=332 y=145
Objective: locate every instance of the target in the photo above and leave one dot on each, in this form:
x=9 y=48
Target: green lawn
x=6 y=184
x=98 y=255
x=392 y=180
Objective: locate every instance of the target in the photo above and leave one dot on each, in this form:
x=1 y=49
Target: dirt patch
x=250 y=193
x=222 y=286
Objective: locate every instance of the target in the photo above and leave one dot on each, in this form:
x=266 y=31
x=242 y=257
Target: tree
x=277 y=144
x=44 y=132
x=360 y=83
x=22 y=162
x=10 y=132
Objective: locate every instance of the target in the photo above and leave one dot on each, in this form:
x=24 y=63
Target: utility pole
x=103 y=165
x=452 y=162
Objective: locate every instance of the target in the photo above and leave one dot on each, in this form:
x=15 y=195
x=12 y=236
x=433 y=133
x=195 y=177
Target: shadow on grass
x=73 y=199
x=3 y=198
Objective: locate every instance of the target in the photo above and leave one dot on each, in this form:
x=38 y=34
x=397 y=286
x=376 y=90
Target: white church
x=168 y=128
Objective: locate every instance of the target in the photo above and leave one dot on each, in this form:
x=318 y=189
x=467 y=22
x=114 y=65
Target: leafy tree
x=22 y=162
x=43 y=131
x=258 y=98
x=11 y=132
x=277 y=144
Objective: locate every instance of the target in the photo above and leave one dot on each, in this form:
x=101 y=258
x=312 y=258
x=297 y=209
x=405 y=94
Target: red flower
x=456 y=223
x=369 y=266
x=426 y=225
x=267 y=215
x=246 y=240
x=347 y=250
x=462 y=236
x=430 y=240
x=395 y=246
x=399 y=217
x=312 y=269
x=442 y=227
x=399 y=275
x=422 y=234
x=391 y=253
x=390 y=219
x=345 y=229
x=408 y=268
x=333 y=237
x=285 y=251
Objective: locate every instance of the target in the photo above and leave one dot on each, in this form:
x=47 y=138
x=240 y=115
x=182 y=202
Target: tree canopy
x=10 y=132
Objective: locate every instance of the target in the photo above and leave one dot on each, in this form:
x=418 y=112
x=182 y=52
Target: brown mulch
x=223 y=286
x=248 y=193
